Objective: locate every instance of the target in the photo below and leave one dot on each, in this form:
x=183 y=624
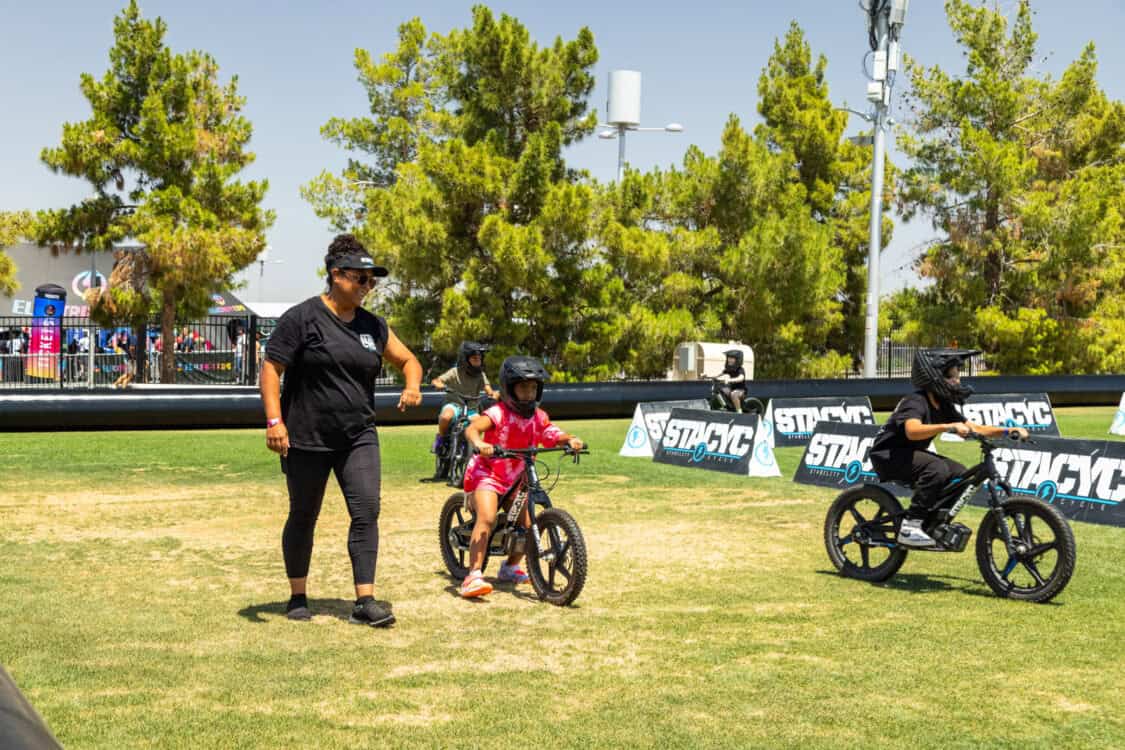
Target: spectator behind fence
x=128 y=372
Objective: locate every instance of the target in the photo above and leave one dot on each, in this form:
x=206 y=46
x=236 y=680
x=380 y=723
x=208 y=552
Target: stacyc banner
x=648 y=424
x=1085 y=479
x=837 y=457
x=719 y=441
x=794 y=419
x=1030 y=410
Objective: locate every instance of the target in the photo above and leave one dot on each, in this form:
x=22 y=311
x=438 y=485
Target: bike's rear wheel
x=1044 y=560
x=860 y=531
x=558 y=572
x=455 y=531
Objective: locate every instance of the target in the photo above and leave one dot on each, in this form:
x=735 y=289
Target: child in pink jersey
x=515 y=422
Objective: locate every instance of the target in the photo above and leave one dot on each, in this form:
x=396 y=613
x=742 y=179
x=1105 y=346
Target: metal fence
x=215 y=351
x=46 y=353
x=894 y=361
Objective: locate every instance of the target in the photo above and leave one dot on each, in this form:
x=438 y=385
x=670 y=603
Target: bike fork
x=535 y=536
x=1002 y=521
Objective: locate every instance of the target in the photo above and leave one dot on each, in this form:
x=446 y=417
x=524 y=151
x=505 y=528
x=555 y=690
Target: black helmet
x=468 y=349
x=929 y=368
x=514 y=370
x=735 y=354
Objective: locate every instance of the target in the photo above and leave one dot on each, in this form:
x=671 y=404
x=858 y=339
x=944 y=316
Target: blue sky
x=700 y=62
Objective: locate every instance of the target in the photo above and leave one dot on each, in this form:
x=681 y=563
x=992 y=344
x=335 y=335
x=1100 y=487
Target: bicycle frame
x=960 y=489
x=527 y=490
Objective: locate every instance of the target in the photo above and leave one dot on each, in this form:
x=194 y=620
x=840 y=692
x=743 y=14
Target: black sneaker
x=372 y=613
x=298 y=608
x=299 y=613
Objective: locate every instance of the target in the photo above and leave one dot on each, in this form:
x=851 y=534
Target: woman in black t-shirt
x=331 y=350
x=901 y=448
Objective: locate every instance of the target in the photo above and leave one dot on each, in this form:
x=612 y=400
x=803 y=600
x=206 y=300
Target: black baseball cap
x=358 y=261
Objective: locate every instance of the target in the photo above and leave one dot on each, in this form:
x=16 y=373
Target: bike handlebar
x=499 y=452
x=985 y=440
x=477 y=397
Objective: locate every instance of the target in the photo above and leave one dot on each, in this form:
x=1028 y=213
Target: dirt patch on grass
x=564 y=657
x=32 y=497
x=1070 y=706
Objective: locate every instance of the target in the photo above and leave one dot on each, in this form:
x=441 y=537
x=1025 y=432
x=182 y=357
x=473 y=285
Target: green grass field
x=144 y=593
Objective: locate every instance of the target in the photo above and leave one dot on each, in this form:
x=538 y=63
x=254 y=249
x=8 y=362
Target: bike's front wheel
x=751 y=405
x=860 y=534
x=441 y=466
x=1041 y=559
x=557 y=564
x=459 y=455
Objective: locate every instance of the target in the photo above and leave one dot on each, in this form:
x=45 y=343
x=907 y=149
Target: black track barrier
x=178 y=407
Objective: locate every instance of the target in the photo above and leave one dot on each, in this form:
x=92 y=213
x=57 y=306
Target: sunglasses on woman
x=363 y=279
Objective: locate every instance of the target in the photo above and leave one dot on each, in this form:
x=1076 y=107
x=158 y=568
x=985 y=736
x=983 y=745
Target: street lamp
x=884 y=28
x=623 y=107
x=361 y=210
x=262 y=260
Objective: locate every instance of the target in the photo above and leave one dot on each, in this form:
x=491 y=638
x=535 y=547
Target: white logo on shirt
x=367 y=341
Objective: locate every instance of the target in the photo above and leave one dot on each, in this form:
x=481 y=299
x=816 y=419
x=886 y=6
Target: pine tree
x=14 y=226
x=166 y=135
x=1023 y=176
x=483 y=226
x=800 y=120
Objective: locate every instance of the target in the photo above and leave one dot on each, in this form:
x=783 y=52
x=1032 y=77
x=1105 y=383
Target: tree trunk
x=994 y=261
x=168 y=337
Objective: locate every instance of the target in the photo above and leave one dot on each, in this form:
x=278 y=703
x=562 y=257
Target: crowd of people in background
x=117 y=350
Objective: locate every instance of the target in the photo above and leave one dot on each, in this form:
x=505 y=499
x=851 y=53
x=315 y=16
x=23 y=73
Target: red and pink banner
x=45 y=346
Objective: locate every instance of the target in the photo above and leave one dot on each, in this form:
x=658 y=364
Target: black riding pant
x=357 y=471
x=927 y=473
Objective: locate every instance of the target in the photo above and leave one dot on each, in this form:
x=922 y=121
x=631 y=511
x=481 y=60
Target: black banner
x=648 y=424
x=1085 y=479
x=716 y=440
x=836 y=456
x=794 y=419
x=1030 y=410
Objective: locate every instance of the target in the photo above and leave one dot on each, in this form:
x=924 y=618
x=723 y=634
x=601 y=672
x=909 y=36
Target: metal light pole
x=262 y=260
x=94 y=283
x=623 y=107
x=885 y=21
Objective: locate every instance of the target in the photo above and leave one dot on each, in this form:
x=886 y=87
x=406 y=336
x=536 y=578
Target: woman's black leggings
x=357 y=471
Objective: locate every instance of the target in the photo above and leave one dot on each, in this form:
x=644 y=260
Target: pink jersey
x=509 y=430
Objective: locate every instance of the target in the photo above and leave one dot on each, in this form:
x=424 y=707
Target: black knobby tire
x=455 y=529
x=1040 y=573
x=458 y=460
x=857 y=518
x=559 y=574
x=751 y=405
x=441 y=465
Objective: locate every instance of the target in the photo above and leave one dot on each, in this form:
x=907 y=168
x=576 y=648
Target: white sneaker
x=910 y=534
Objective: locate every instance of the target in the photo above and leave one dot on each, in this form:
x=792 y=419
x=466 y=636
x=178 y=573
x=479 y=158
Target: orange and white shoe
x=474 y=585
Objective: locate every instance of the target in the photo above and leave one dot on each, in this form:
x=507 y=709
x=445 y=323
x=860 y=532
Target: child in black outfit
x=901 y=449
